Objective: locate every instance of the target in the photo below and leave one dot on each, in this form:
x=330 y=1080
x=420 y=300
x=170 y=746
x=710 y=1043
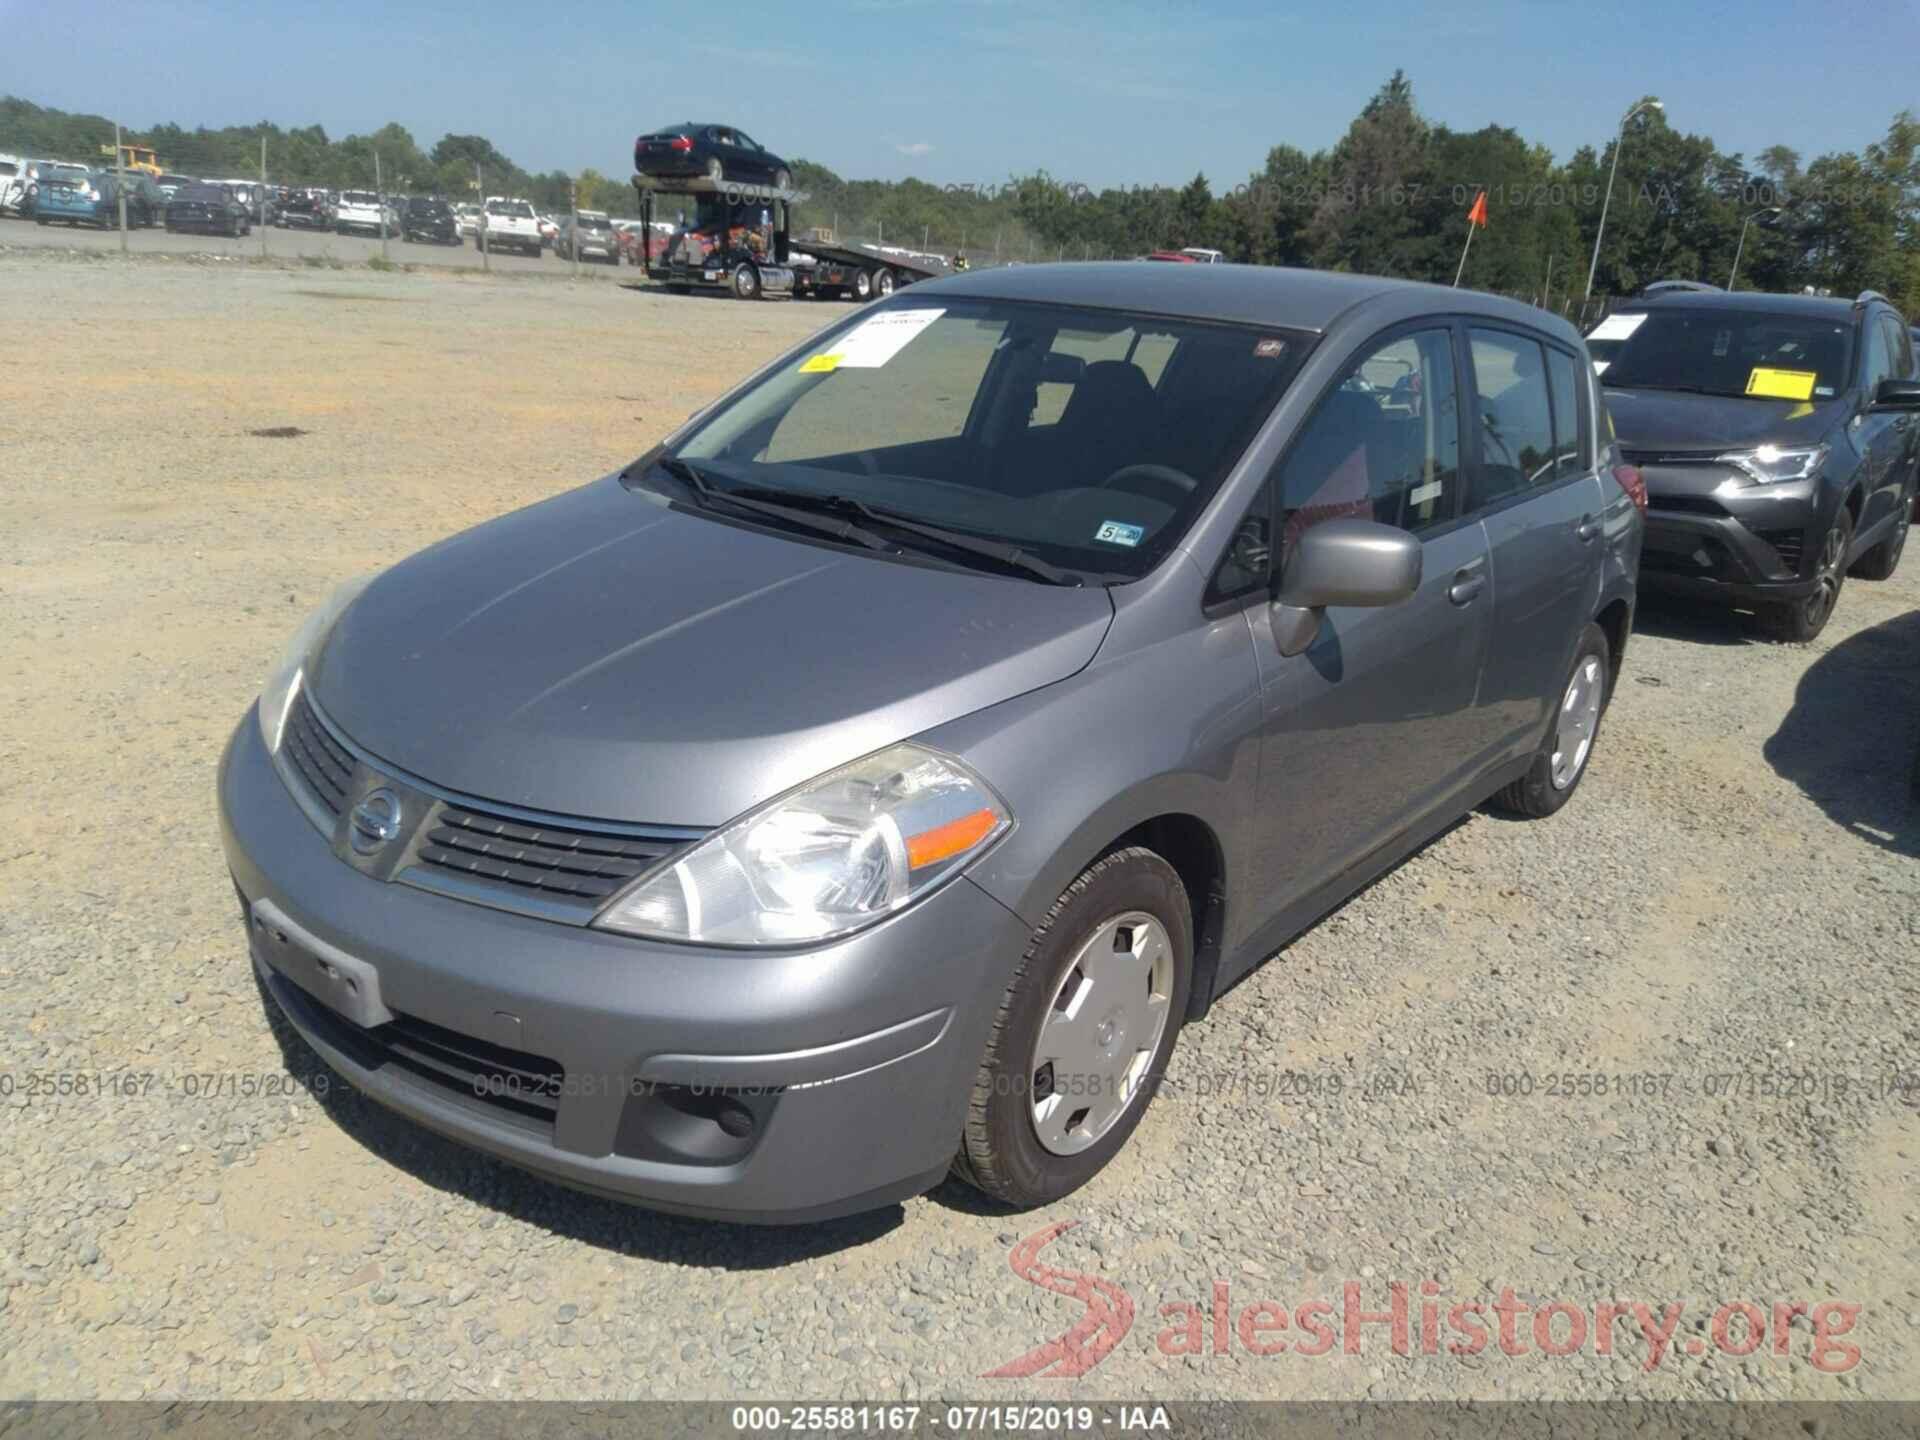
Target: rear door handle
x=1587 y=528
x=1468 y=582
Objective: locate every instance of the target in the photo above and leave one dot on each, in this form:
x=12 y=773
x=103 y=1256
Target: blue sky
x=958 y=91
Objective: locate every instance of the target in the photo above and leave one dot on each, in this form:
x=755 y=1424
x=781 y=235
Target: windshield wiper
x=1009 y=555
x=719 y=498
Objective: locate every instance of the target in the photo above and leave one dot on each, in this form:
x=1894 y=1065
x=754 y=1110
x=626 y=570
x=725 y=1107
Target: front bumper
x=853 y=1061
x=1710 y=536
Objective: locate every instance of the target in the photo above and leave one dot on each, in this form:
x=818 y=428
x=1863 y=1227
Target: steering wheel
x=1163 y=483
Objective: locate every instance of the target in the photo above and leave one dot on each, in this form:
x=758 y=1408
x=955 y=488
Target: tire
x=1882 y=560
x=782 y=180
x=746 y=282
x=1555 y=773
x=1798 y=621
x=883 y=283
x=1002 y=1152
x=863 y=285
x=716 y=172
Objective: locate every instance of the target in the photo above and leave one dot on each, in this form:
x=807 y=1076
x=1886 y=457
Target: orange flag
x=1478 y=214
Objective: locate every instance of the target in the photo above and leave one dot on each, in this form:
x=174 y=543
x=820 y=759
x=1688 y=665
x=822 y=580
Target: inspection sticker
x=1269 y=349
x=1618 y=327
x=1114 y=532
x=820 y=364
x=874 y=343
x=1781 y=384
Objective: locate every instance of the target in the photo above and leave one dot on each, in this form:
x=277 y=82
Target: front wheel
x=1561 y=760
x=1083 y=1033
x=782 y=180
x=746 y=282
x=1798 y=621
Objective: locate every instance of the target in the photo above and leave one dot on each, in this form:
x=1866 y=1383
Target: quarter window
x=1384 y=445
x=1513 y=417
x=1569 y=438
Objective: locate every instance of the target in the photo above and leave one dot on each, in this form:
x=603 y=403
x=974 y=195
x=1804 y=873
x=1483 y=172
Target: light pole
x=1756 y=215
x=1613 y=170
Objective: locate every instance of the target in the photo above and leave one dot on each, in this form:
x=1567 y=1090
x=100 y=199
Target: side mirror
x=1900 y=395
x=1341 y=562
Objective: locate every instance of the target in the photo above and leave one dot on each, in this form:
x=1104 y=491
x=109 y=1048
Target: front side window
x=1383 y=445
x=1513 y=416
x=989 y=417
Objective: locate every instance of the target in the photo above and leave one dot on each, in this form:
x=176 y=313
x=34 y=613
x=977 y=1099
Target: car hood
x=606 y=655
x=1661 y=421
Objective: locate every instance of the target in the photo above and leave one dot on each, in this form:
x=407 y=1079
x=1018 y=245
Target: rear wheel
x=782 y=180
x=1083 y=1033
x=716 y=172
x=863 y=285
x=1882 y=560
x=883 y=284
x=1798 y=621
x=1561 y=760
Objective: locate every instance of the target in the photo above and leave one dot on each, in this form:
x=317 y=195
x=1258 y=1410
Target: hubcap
x=1579 y=714
x=1101 y=1032
x=1828 y=590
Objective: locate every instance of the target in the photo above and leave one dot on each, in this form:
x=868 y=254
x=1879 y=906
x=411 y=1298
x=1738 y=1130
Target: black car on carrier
x=1778 y=438
x=720 y=153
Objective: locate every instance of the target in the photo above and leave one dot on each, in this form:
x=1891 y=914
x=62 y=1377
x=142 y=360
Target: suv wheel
x=1882 y=560
x=1561 y=760
x=1083 y=1033
x=1798 y=621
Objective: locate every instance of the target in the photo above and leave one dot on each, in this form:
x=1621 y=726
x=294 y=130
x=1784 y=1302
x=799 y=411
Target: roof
x=1244 y=294
x=1830 y=307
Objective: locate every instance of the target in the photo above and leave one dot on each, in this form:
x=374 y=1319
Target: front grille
x=1787 y=544
x=321 y=760
x=510 y=1080
x=1685 y=504
x=570 y=862
x=1667 y=457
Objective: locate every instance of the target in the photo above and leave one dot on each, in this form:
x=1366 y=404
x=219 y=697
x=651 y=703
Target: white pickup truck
x=508 y=224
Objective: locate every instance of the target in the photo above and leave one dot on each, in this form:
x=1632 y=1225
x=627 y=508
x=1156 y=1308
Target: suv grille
x=321 y=760
x=567 y=861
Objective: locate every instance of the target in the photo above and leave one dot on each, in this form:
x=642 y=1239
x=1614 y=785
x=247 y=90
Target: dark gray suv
x=868 y=783
x=1777 y=437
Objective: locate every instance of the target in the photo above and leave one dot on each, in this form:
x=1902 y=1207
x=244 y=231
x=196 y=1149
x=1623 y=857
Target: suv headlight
x=1770 y=462
x=842 y=851
x=283 y=681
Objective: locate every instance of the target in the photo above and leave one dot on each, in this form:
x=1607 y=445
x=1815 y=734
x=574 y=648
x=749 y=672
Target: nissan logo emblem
x=375 y=821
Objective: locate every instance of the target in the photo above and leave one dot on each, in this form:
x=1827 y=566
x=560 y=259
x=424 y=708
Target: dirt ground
x=1732 y=894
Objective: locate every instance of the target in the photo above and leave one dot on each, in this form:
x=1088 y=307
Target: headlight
x=283 y=681
x=840 y=852
x=1769 y=462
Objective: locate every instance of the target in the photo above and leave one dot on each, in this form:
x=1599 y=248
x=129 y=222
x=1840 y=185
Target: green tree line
x=1390 y=197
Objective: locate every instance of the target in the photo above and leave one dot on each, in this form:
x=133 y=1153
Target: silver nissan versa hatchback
x=867 y=783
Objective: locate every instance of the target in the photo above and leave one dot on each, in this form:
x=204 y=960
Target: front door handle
x=1468 y=582
x=1587 y=529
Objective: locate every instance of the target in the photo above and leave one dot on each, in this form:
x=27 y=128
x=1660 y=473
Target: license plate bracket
x=345 y=984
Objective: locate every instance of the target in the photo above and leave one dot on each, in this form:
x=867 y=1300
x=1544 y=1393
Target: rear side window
x=1383 y=445
x=1569 y=428
x=1513 y=417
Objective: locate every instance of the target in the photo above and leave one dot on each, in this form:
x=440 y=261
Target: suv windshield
x=1718 y=351
x=511 y=207
x=1088 y=438
x=427 y=207
x=358 y=197
x=595 y=222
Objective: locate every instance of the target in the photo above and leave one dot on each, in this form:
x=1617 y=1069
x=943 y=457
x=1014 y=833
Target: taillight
x=1631 y=481
x=682 y=143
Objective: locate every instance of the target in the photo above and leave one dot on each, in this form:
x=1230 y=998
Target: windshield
x=427 y=207
x=518 y=208
x=357 y=197
x=1717 y=351
x=595 y=222
x=205 y=194
x=1088 y=438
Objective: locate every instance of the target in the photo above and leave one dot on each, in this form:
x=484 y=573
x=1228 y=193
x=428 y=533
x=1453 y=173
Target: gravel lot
x=1734 y=893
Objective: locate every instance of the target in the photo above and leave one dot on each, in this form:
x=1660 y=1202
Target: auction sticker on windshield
x=872 y=344
x=1617 y=327
x=1780 y=384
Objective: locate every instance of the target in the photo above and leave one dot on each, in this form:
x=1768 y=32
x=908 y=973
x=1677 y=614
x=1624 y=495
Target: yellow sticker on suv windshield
x=1781 y=384
x=820 y=365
